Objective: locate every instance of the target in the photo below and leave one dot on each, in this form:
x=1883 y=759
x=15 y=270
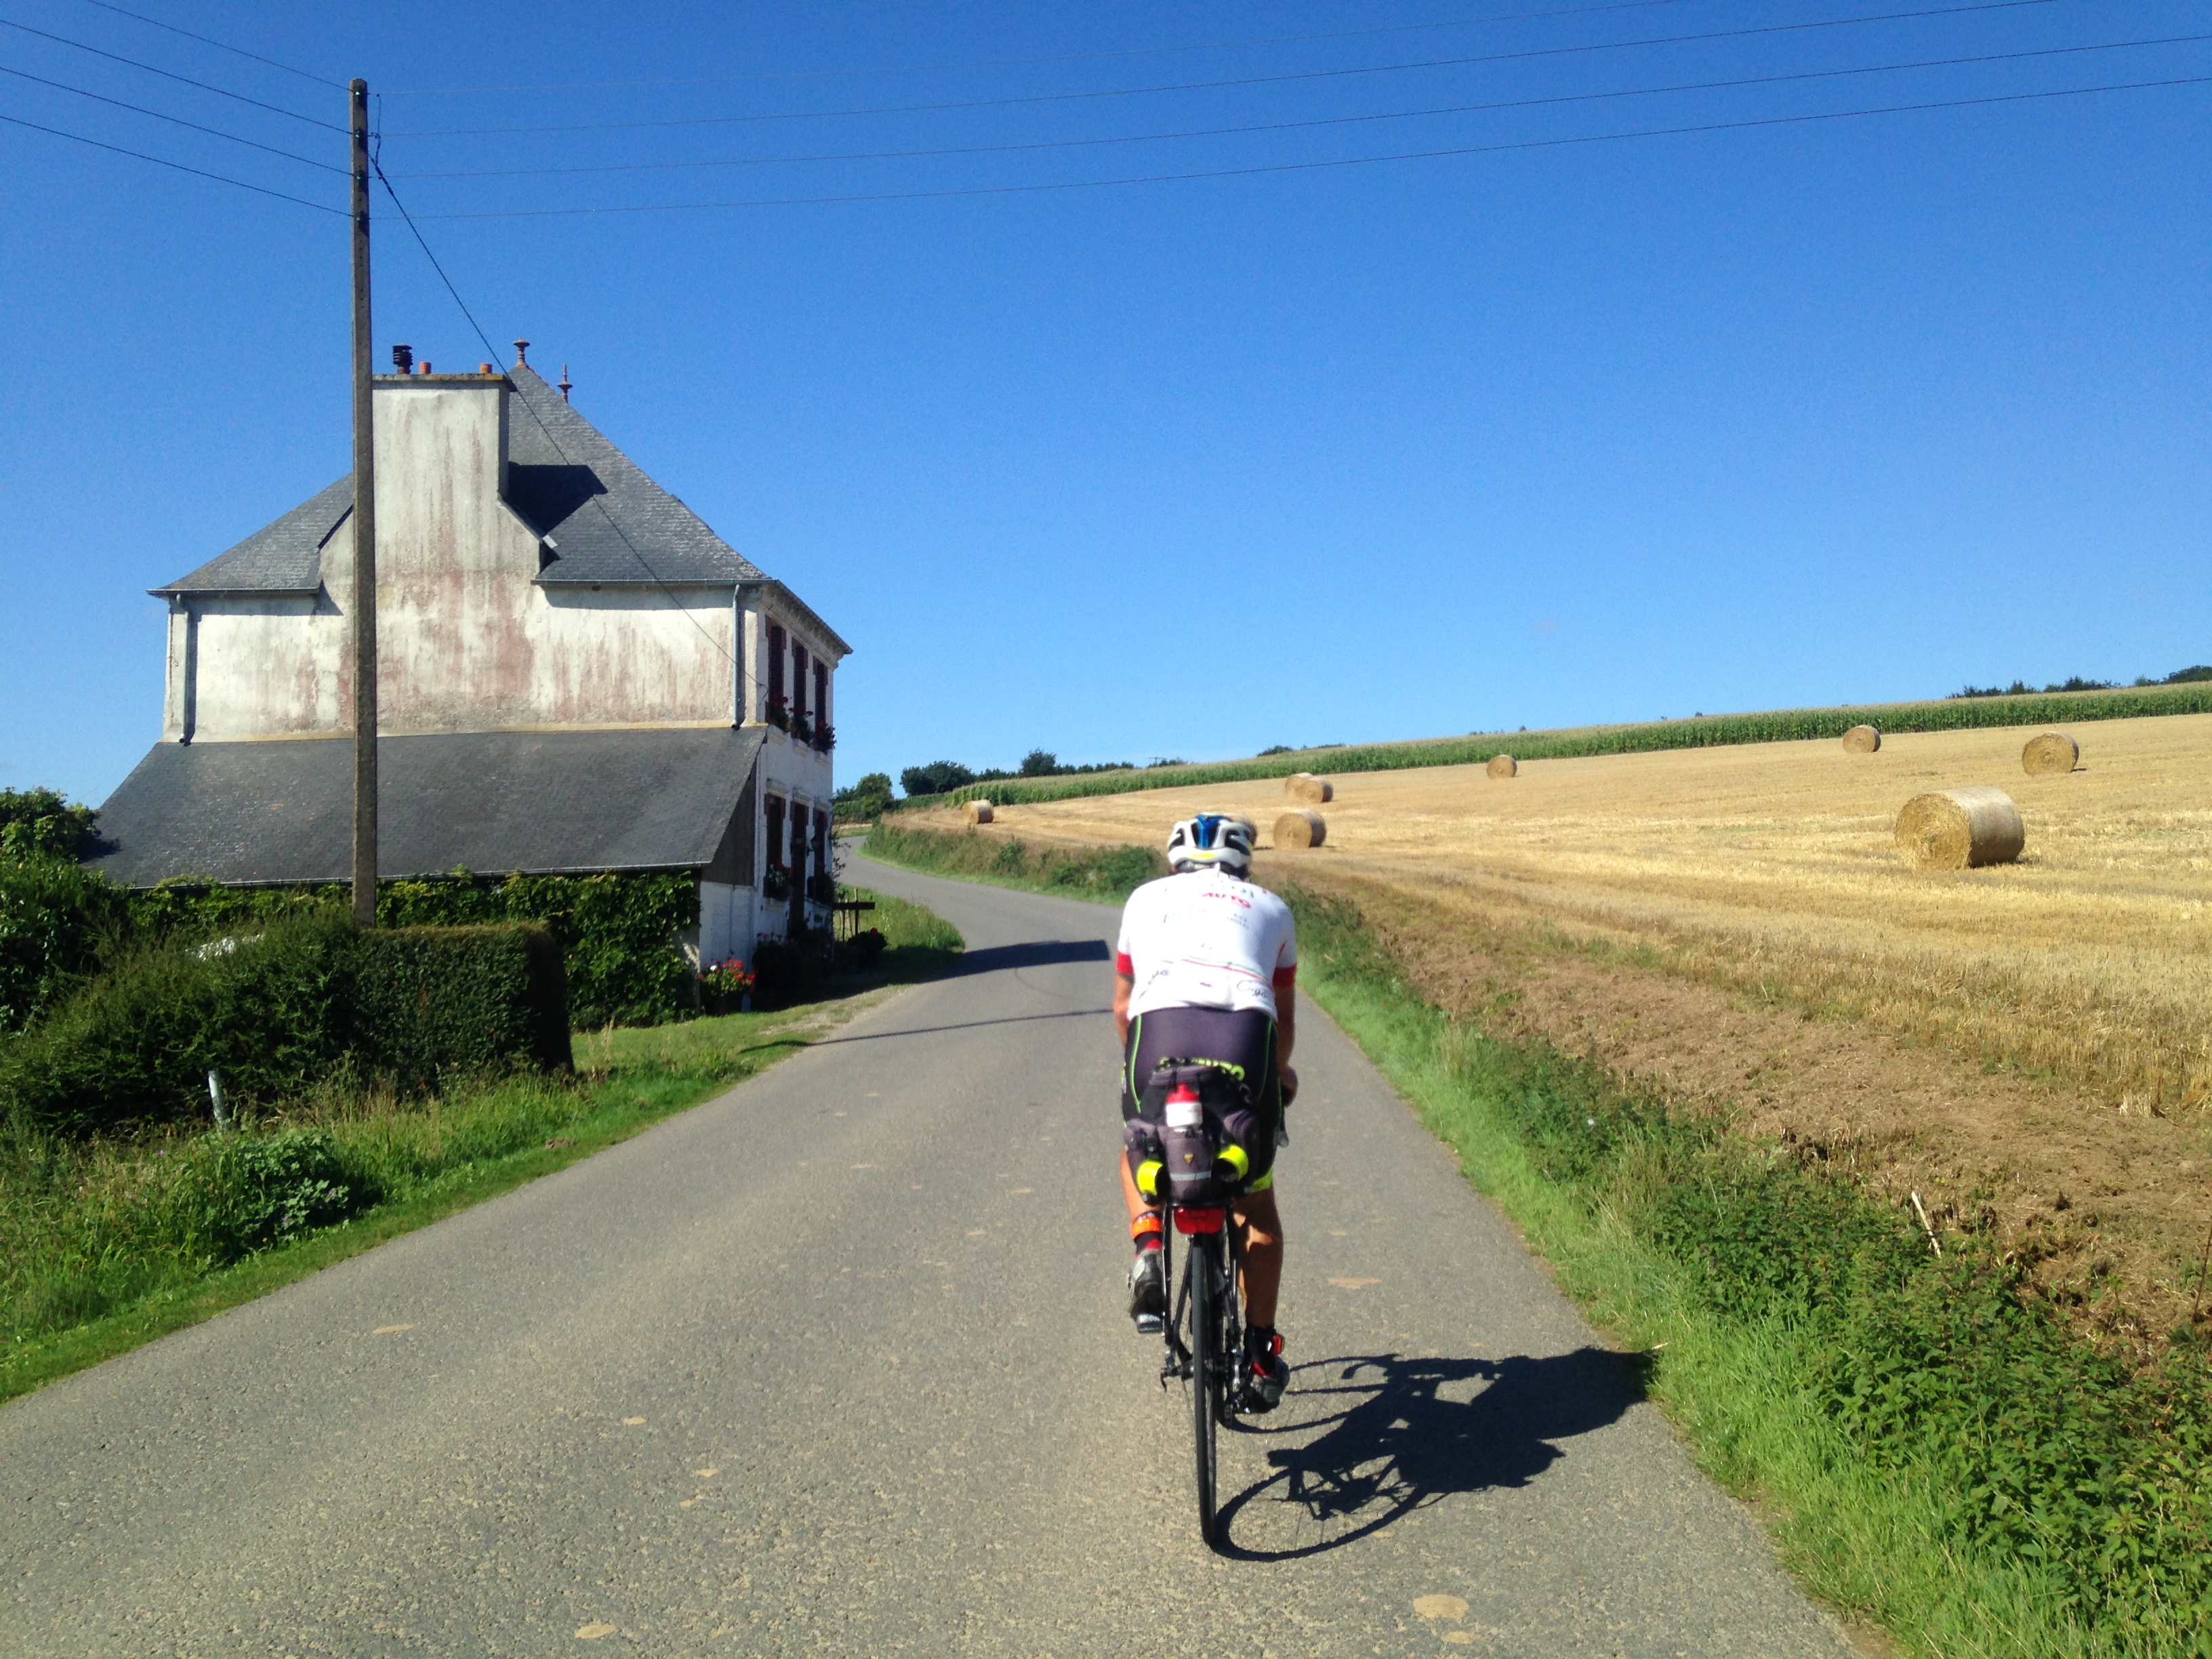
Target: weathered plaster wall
x=467 y=640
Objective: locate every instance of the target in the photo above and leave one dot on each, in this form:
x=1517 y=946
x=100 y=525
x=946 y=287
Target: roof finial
x=564 y=383
x=522 y=351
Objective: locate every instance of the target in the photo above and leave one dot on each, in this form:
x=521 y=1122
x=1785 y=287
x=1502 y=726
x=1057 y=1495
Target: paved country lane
x=835 y=1364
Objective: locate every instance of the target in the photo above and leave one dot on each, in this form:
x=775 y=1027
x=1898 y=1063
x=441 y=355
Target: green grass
x=1778 y=726
x=1106 y=874
x=108 y=1244
x=1934 y=1453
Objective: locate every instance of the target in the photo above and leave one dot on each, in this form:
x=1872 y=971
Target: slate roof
x=284 y=558
x=542 y=802
x=605 y=523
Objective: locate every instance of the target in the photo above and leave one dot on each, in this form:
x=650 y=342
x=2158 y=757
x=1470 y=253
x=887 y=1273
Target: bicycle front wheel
x=1206 y=1361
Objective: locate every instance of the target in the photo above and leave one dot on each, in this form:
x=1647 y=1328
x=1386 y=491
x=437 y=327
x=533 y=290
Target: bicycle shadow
x=1396 y=1440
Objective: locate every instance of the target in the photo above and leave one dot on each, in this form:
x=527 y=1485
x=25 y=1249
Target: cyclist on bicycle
x=1205 y=971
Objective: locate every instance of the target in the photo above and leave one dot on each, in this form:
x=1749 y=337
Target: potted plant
x=726 y=987
x=775 y=884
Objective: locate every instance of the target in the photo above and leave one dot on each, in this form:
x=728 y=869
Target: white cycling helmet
x=1211 y=841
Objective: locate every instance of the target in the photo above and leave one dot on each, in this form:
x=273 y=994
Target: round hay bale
x=977 y=812
x=1960 y=828
x=1302 y=828
x=1305 y=786
x=1503 y=766
x=1861 y=740
x=2054 y=751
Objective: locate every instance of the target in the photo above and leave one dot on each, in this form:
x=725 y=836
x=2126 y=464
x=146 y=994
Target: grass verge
x=1933 y=1452
x=1106 y=874
x=108 y=1244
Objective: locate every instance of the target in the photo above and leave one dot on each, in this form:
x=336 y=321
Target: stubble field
x=2028 y=1046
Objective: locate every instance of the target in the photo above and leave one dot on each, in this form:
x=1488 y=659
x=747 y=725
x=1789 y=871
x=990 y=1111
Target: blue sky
x=1798 y=413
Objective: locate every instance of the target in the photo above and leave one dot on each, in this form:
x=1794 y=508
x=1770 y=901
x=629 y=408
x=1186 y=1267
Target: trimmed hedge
x=617 y=931
x=432 y=1000
x=307 y=999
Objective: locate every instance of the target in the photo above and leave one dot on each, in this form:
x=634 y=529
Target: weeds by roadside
x=1933 y=1450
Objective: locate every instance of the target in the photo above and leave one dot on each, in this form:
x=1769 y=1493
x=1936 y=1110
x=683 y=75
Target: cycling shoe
x=1148 y=1293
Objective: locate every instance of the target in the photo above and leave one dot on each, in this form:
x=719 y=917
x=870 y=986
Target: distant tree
x=865 y=799
x=1276 y=749
x=41 y=823
x=936 y=778
x=2187 y=675
x=1040 y=763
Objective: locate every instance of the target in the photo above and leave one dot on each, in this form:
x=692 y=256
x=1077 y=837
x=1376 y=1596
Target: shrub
x=786 y=971
x=56 y=922
x=274 y=1011
x=866 y=800
x=935 y=778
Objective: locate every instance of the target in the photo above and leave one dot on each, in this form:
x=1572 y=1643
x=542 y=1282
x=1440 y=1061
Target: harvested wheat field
x=2028 y=1044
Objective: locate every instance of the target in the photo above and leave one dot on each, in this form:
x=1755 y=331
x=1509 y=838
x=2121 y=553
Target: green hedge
x=617 y=931
x=308 y=998
x=1778 y=726
x=429 y=1001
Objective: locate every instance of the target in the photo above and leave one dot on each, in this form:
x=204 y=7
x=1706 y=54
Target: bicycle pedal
x=1150 y=1324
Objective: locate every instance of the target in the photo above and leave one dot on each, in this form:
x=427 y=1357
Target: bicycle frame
x=1212 y=1360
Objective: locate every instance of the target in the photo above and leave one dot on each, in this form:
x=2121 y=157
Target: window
x=779 y=712
x=797 y=677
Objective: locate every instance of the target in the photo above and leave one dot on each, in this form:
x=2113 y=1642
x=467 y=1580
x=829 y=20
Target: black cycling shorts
x=1241 y=1037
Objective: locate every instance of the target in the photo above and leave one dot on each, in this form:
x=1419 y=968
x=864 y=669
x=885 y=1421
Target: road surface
x=836 y=1364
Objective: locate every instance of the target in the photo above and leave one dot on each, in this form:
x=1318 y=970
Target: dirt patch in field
x=2107 y=1205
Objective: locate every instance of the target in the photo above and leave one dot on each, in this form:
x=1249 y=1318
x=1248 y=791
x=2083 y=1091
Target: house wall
x=467 y=640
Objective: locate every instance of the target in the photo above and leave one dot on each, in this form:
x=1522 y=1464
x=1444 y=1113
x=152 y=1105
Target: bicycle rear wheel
x=1206 y=1360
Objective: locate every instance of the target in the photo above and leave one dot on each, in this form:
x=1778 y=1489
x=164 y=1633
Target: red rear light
x=1199 y=1221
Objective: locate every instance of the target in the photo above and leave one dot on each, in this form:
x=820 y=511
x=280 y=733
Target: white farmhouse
x=574 y=674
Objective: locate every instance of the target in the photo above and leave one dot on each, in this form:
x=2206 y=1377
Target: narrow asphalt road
x=837 y=1364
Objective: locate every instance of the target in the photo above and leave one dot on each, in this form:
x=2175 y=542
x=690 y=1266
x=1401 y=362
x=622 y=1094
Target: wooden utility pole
x=364 y=536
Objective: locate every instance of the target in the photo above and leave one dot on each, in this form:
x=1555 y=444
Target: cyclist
x=1204 y=970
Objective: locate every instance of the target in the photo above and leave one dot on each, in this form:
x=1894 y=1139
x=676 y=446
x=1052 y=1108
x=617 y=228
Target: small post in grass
x=214 y=1094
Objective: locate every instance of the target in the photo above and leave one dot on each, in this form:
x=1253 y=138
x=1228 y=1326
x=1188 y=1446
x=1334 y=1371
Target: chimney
x=403 y=359
x=425 y=368
x=486 y=368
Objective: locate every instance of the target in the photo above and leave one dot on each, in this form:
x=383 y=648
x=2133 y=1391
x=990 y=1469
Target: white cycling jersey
x=1207 y=939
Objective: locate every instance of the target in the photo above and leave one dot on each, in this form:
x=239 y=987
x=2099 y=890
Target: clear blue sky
x=1799 y=413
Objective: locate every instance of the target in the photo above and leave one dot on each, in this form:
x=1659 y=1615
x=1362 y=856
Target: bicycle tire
x=1205 y=1363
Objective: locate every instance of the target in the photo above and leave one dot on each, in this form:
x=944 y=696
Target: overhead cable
x=204 y=86
x=175 y=120
x=1028 y=62
x=220 y=45
x=1316 y=122
x=159 y=161
x=484 y=340
x=1244 y=81
x=1317 y=167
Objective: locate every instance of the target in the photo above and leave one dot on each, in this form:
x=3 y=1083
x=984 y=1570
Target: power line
x=1245 y=81
x=210 y=40
x=1315 y=167
x=1322 y=121
x=159 y=162
x=484 y=340
x=1026 y=62
x=177 y=120
x=204 y=86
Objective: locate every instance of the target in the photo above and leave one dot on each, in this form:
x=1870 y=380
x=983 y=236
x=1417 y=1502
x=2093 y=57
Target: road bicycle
x=1204 y=1331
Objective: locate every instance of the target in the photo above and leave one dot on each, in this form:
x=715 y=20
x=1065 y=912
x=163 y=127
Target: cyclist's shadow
x=1406 y=1433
